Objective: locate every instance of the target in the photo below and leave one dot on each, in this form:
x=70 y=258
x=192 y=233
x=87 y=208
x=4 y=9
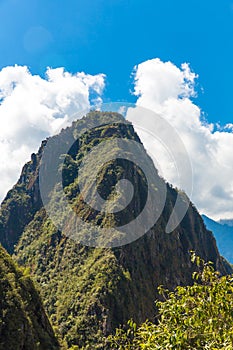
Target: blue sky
x=112 y=36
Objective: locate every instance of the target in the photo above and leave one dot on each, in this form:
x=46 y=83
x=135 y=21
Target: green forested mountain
x=88 y=292
x=23 y=322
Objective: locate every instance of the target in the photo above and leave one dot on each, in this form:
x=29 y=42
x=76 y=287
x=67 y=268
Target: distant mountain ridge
x=228 y=222
x=223 y=234
x=88 y=292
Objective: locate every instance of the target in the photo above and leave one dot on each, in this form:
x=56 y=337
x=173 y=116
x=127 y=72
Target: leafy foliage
x=23 y=323
x=81 y=287
x=194 y=317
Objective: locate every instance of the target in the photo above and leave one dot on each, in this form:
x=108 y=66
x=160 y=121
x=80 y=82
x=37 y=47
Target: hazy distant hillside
x=223 y=234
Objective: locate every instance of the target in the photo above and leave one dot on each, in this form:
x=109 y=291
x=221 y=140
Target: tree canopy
x=199 y=316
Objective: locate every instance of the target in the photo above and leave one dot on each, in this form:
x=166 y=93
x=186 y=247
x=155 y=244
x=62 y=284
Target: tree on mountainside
x=192 y=317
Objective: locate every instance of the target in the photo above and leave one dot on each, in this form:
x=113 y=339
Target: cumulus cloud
x=169 y=91
x=32 y=108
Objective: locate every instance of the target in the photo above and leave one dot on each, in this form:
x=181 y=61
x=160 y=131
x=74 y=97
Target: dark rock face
x=20 y=204
x=89 y=291
x=23 y=322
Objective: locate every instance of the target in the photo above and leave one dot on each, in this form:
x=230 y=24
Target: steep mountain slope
x=23 y=322
x=87 y=292
x=224 y=237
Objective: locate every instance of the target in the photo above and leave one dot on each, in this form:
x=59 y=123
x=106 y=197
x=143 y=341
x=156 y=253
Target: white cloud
x=168 y=90
x=32 y=108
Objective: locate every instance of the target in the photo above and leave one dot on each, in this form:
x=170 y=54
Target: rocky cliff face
x=23 y=322
x=87 y=292
x=20 y=204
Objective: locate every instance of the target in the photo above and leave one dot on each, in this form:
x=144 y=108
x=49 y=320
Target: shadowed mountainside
x=23 y=322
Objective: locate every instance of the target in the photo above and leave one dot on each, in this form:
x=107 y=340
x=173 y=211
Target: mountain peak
x=90 y=289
